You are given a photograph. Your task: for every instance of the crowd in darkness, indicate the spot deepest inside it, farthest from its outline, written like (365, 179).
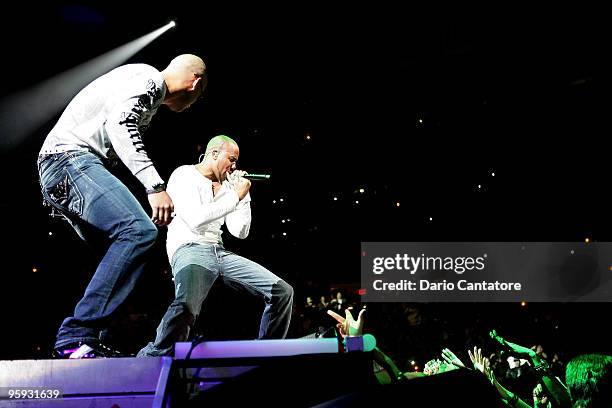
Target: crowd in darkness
(414, 333)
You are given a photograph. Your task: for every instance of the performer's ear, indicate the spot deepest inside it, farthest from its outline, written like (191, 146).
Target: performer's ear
(215, 154)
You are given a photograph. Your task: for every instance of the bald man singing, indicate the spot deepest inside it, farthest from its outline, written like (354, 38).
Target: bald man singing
(208, 195)
(105, 122)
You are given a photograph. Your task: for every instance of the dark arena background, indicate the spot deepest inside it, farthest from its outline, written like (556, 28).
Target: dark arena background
(450, 124)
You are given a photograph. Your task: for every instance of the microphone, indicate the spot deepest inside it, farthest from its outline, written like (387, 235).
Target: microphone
(251, 176)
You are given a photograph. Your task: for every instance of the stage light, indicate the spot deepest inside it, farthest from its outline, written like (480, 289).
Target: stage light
(22, 113)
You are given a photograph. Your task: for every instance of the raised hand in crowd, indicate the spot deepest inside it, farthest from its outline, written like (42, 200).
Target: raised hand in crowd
(348, 326)
(436, 366)
(554, 385)
(482, 365)
(452, 359)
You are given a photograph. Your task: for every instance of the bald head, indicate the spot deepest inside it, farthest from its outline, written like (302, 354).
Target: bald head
(186, 80)
(187, 63)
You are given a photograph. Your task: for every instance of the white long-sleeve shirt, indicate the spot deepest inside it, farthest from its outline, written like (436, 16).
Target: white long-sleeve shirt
(109, 116)
(199, 215)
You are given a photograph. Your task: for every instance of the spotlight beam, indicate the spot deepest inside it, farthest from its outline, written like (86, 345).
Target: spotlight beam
(24, 112)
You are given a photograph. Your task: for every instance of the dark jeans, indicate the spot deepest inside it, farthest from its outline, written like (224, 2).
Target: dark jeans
(196, 267)
(93, 200)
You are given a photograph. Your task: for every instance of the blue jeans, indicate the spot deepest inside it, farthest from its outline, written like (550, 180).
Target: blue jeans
(196, 267)
(78, 186)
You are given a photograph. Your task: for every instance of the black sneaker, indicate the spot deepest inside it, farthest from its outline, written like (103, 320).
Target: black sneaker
(89, 349)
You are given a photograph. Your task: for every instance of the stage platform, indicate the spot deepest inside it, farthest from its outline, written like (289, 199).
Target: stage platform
(126, 382)
(270, 373)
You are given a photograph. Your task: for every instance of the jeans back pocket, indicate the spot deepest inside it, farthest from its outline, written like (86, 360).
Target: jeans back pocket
(61, 191)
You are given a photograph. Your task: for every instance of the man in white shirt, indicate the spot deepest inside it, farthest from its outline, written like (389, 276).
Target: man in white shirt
(103, 122)
(205, 197)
